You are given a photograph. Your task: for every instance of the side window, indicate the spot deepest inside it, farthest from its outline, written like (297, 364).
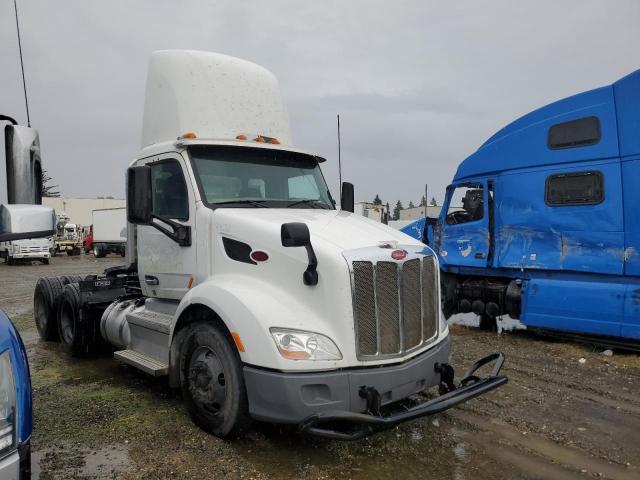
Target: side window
(303, 186)
(466, 205)
(581, 188)
(576, 133)
(169, 190)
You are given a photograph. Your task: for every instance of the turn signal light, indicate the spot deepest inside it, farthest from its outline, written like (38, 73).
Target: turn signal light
(190, 135)
(259, 139)
(241, 137)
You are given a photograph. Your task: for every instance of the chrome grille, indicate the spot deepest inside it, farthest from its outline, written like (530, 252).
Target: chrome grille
(387, 301)
(430, 304)
(411, 308)
(365, 308)
(395, 305)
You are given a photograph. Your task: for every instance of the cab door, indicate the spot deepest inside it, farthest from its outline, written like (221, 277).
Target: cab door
(166, 267)
(463, 237)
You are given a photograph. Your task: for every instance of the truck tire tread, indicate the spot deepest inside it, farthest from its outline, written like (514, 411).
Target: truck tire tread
(77, 329)
(235, 419)
(46, 298)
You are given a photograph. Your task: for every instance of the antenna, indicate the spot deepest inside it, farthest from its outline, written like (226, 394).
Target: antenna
(24, 84)
(339, 159)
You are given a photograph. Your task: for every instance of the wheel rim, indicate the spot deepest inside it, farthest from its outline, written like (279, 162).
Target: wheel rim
(207, 380)
(66, 324)
(41, 312)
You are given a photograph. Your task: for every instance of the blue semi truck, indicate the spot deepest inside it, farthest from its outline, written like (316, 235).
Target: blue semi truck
(542, 222)
(15, 404)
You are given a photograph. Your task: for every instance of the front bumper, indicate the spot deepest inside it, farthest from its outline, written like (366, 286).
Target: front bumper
(22, 256)
(279, 397)
(17, 465)
(351, 404)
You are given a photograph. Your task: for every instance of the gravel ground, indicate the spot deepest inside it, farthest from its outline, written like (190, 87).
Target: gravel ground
(567, 412)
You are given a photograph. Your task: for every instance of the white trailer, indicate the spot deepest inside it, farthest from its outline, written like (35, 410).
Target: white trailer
(245, 286)
(109, 231)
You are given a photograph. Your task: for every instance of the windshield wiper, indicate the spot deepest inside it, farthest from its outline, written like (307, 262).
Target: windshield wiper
(255, 203)
(308, 201)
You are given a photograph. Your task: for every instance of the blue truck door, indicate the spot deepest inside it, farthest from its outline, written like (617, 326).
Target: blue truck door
(464, 226)
(631, 195)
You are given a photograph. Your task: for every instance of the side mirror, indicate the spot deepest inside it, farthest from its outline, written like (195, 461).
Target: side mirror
(24, 167)
(297, 234)
(139, 195)
(346, 197)
(19, 222)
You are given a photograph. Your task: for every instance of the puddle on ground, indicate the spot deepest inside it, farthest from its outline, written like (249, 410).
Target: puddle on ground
(420, 451)
(70, 462)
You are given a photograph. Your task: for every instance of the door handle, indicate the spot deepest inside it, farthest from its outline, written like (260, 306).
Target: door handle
(480, 255)
(151, 280)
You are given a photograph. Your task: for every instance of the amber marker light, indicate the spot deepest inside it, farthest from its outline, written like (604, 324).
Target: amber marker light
(189, 135)
(241, 137)
(293, 354)
(238, 341)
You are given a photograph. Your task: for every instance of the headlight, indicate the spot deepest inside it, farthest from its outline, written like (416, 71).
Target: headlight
(7, 403)
(300, 345)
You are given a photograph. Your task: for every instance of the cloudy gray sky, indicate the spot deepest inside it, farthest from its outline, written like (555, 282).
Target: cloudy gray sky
(419, 85)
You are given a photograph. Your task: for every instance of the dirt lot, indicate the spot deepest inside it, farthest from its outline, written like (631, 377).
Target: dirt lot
(559, 417)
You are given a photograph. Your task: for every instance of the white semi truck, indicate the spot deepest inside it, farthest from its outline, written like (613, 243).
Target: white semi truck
(245, 286)
(109, 231)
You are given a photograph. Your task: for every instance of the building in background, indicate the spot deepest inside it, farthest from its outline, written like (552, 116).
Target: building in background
(378, 213)
(416, 213)
(79, 209)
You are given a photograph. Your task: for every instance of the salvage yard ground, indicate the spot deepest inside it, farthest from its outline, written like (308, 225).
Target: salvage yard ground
(557, 417)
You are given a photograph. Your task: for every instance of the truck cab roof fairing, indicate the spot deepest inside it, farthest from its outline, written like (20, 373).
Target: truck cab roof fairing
(213, 95)
(523, 143)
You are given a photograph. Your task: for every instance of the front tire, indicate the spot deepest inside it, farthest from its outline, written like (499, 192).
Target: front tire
(212, 381)
(98, 251)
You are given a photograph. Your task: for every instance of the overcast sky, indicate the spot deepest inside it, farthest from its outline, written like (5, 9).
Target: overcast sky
(418, 85)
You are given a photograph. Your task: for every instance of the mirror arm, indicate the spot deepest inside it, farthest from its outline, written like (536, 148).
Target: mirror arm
(181, 234)
(310, 275)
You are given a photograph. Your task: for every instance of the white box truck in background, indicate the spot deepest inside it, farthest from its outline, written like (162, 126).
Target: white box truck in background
(109, 231)
(245, 286)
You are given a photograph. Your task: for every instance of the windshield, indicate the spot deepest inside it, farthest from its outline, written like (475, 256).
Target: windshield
(254, 177)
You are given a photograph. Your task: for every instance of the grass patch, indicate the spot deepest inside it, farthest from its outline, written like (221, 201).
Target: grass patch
(24, 322)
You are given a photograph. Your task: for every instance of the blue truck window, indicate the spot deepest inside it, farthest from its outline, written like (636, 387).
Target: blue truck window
(580, 188)
(576, 133)
(466, 205)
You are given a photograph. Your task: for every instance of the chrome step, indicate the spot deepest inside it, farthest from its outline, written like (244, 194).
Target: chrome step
(156, 321)
(143, 362)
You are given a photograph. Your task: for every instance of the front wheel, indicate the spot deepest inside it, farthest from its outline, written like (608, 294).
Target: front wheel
(212, 381)
(98, 251)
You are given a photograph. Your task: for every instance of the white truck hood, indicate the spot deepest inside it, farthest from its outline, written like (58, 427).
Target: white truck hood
(344, 230)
